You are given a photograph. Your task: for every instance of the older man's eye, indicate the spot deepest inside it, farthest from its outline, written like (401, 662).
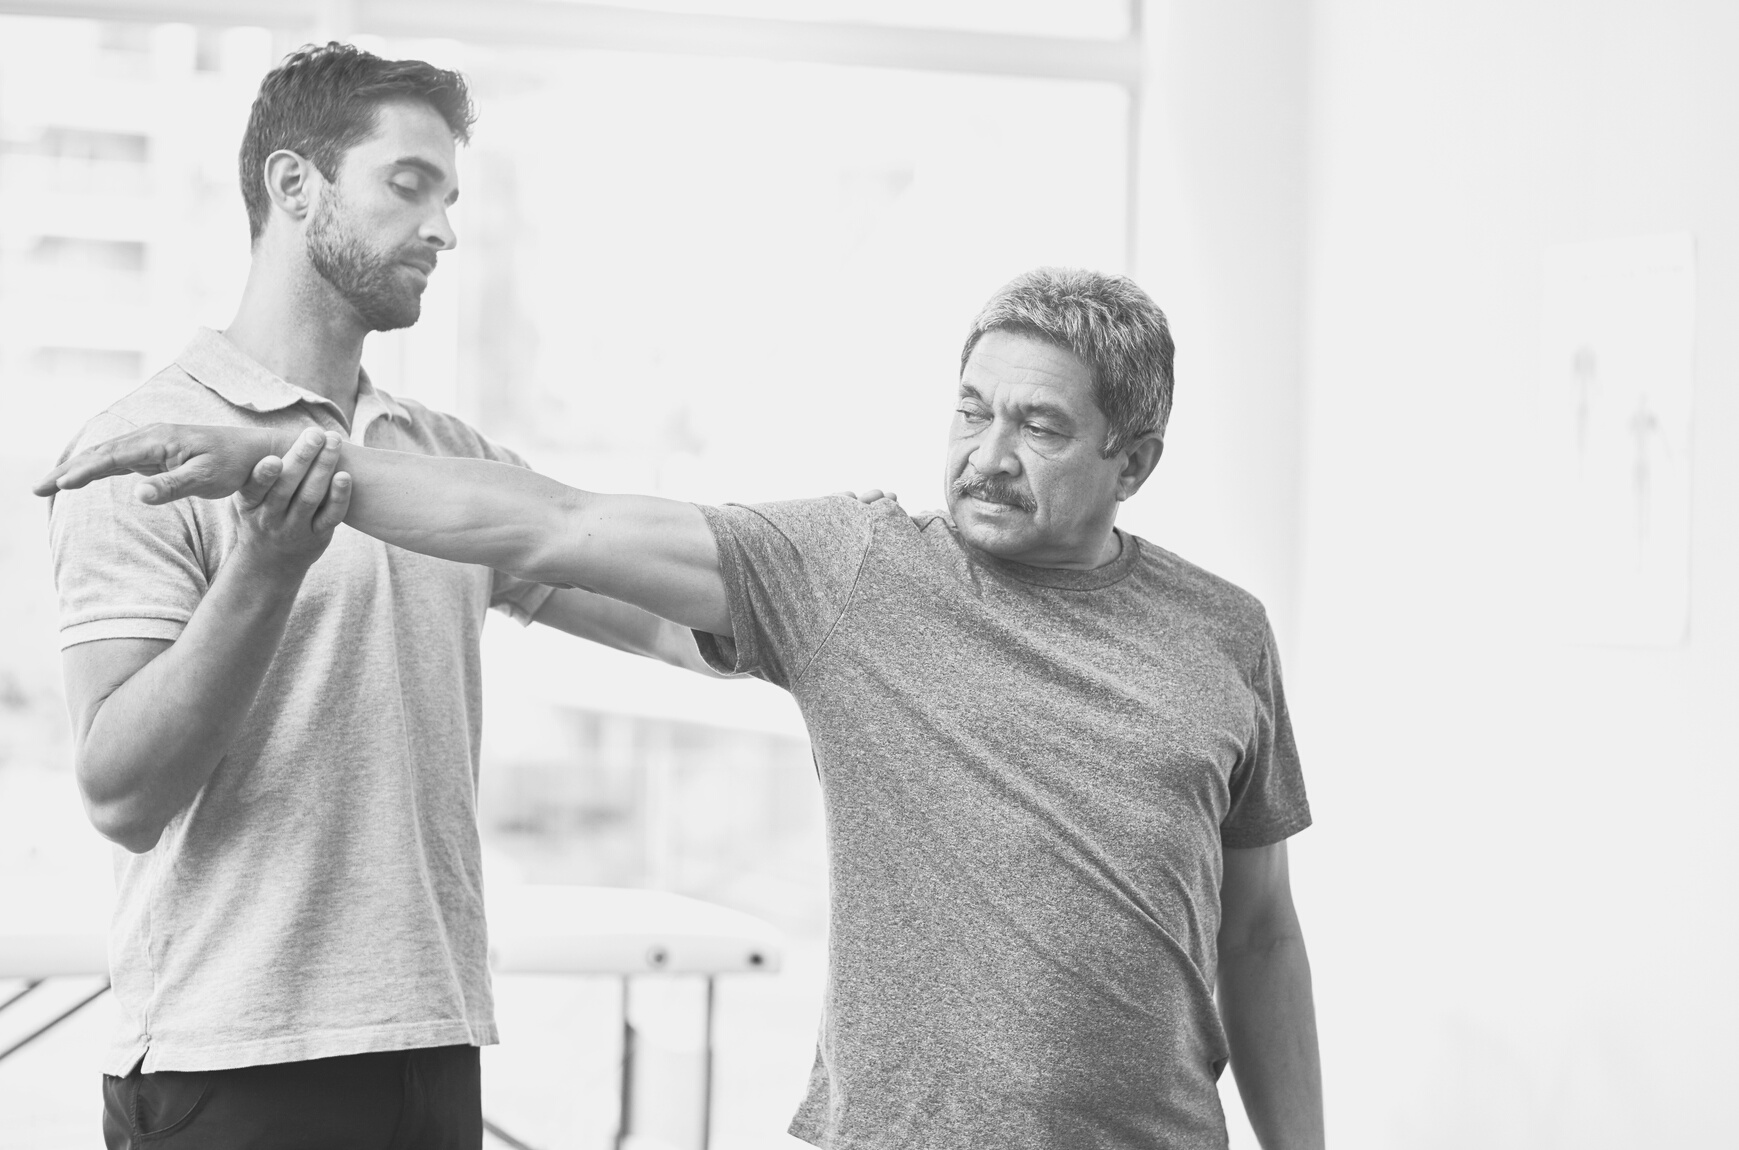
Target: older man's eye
(972, 414)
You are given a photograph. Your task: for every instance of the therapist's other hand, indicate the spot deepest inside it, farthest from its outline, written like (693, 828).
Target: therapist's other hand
(289, 507)
(870, 496)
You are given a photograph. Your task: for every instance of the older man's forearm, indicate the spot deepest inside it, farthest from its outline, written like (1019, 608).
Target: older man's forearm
(466, 510)
(1270, 1020)
(657, 554)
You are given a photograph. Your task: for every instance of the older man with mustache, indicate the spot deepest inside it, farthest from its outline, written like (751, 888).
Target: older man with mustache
(1056, 758)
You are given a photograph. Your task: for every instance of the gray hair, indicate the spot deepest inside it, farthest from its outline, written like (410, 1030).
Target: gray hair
(1107, 323)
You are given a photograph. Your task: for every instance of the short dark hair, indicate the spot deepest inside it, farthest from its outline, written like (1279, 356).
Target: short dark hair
(1110, 325)
(324, 99)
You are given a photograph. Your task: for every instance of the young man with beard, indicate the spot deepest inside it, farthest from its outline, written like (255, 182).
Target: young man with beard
(1056, 758)
(278, 719)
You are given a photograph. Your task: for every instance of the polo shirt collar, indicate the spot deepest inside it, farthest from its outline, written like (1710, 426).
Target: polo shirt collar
(224, 368)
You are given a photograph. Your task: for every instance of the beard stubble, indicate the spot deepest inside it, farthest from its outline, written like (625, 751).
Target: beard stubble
(367, 280)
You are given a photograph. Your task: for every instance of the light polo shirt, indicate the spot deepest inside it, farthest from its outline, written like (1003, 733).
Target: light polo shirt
(322, 894)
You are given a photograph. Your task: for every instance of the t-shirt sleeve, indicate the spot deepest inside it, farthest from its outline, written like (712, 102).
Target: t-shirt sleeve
(789, 570)
(122, 569)
(514, 596)
(1268, 802)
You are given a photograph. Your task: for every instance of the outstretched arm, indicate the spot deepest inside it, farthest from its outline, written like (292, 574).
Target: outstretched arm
(657, 554)
(1265, 1001)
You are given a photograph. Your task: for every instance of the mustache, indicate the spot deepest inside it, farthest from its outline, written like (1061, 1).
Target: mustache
(992, 490)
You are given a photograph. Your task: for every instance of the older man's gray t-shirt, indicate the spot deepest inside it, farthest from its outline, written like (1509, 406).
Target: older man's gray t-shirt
(1029, 777)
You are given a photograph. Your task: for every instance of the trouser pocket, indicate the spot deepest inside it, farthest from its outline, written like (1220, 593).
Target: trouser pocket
(142, 1108)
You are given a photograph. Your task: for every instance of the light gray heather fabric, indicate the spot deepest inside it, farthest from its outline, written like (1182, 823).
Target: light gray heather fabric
(322, 895)
(1029, 776)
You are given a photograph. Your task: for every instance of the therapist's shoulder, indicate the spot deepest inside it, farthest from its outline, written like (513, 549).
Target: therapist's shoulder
(418, 427)
(169, 396)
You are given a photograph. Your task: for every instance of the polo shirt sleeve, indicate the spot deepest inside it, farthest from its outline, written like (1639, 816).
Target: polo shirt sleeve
(508, 593)
(123, 569)
(789, 570)
(1268, 802)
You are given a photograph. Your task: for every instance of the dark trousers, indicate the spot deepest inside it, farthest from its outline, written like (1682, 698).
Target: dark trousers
(400, 1100)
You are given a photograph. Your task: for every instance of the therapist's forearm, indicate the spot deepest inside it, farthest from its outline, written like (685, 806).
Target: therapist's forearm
(1270, 1019)
(147, 748)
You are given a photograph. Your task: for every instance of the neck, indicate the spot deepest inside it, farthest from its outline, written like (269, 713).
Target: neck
(294, 324)
(1088, 558)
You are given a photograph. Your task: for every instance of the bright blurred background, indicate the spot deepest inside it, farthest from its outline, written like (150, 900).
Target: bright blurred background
(727, 250)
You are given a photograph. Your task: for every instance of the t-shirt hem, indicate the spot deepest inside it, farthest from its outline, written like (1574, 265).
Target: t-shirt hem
(298, 1047)
(122, 627)
(1265, 837)
(804, 1132)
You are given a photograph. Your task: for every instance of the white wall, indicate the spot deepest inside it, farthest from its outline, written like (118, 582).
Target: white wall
(1221, 249)
(1520, 890)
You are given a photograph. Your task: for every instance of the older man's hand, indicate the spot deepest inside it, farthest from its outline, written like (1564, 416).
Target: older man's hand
(180, 460)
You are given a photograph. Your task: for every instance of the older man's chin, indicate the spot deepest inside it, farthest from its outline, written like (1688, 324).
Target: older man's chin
(995, 529)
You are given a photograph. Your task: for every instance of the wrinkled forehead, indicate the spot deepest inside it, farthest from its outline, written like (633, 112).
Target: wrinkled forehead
(1018, 368)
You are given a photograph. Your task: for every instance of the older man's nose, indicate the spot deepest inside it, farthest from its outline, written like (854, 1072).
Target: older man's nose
(994, 453)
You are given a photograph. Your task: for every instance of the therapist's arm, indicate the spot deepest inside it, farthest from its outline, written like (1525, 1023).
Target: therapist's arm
(657, 554)
(153, 718)
(625, 627)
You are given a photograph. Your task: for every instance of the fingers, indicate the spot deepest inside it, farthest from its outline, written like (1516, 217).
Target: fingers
(318, 482)
(337, 505)
(85, 467)
(260, 481)
(142, 451)
(297, 460)
(171, 485)
(50, 483)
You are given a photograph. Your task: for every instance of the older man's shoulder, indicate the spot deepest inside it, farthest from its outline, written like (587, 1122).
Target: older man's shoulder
(1189, 585)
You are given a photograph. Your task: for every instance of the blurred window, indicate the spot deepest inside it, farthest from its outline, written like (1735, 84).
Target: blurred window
(87, 363)
(75, 254)
(1100, 19)
(704, 277)
(85, 144)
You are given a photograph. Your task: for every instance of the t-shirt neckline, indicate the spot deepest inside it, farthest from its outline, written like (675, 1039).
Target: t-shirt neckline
(1065, 578)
